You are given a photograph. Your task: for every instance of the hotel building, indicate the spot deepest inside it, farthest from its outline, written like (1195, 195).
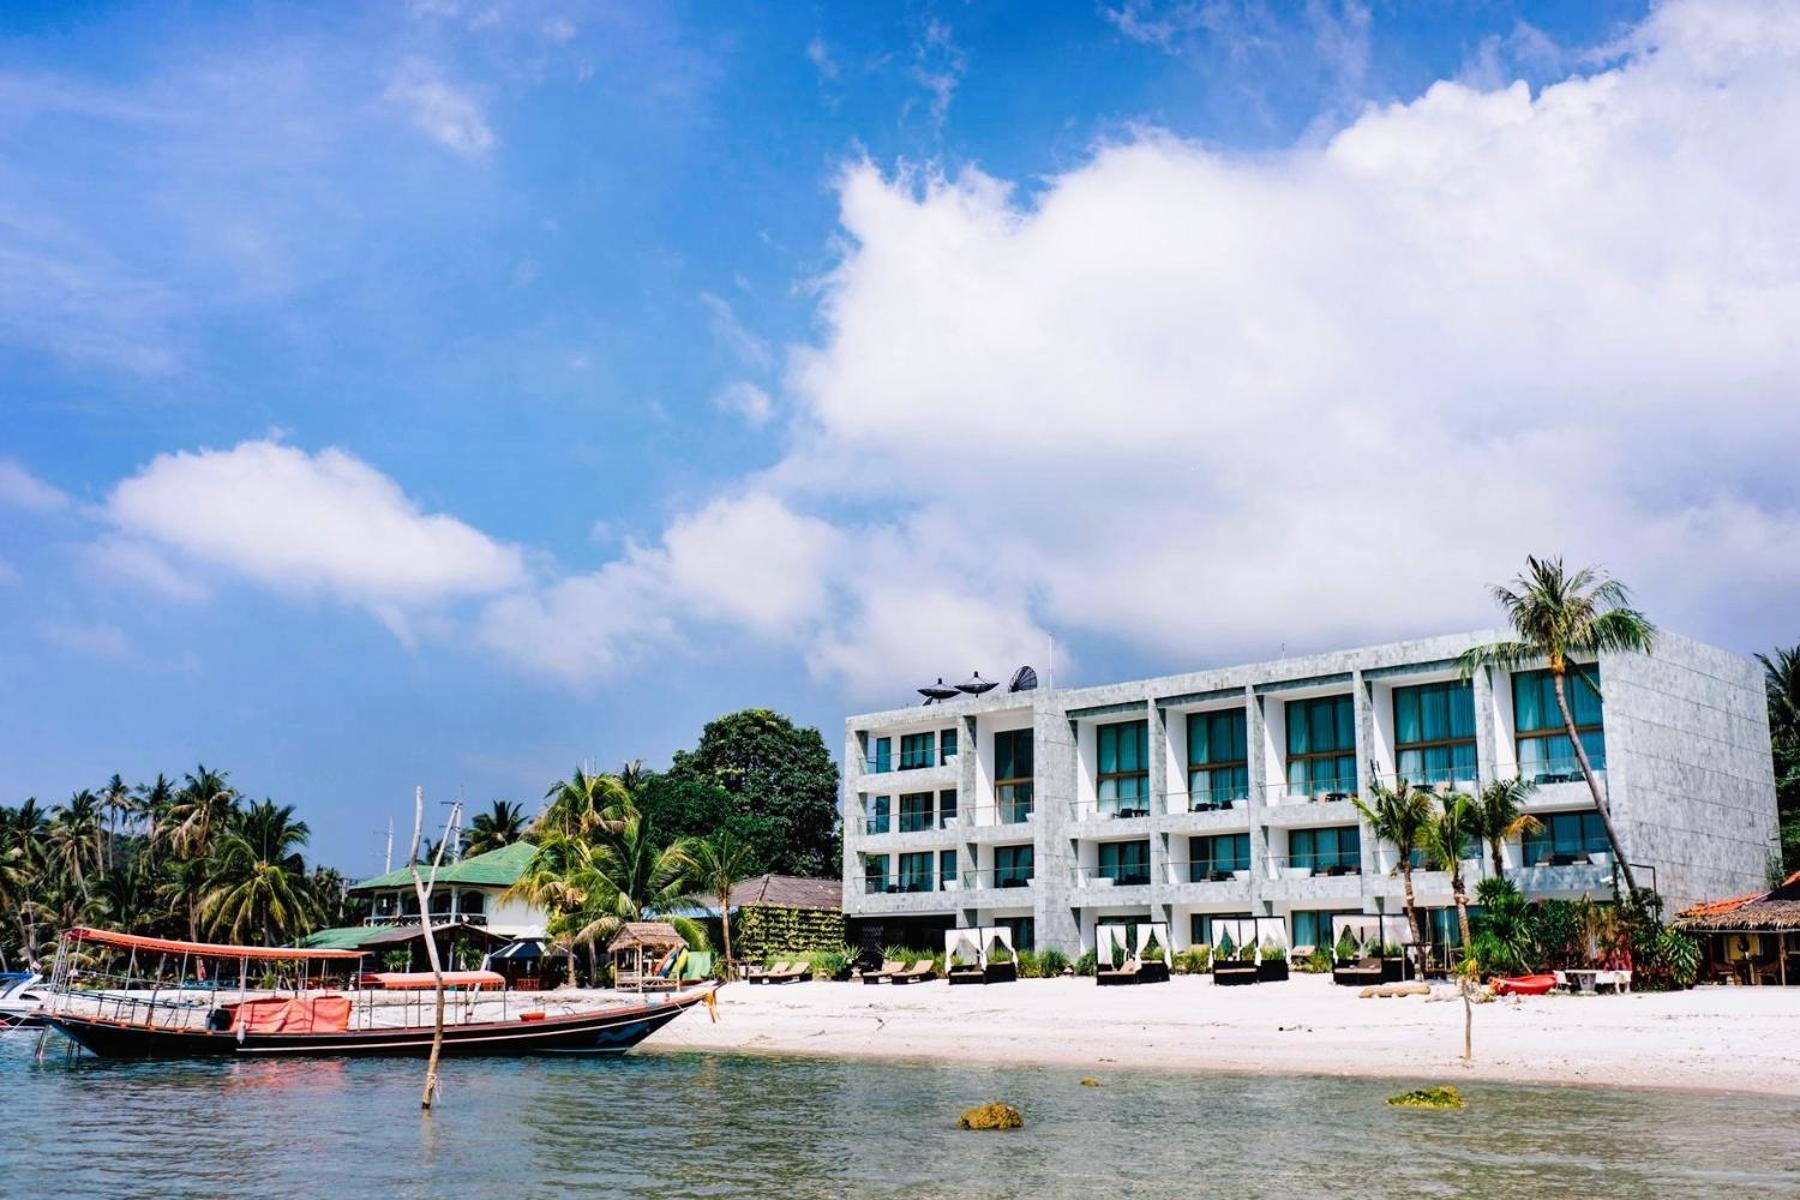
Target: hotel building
(1212, 799)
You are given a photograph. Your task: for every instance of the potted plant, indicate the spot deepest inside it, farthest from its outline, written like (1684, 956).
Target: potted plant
(1272, 963)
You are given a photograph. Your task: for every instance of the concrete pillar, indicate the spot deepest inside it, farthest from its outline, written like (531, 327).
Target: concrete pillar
(1256, 734)
(1054, 787)
(1485, 723)
(1158, 749)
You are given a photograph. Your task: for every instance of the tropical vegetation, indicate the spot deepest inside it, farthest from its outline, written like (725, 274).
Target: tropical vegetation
(1781, 678)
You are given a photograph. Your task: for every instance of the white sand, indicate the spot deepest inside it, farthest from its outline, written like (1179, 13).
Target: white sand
(1739, 1039)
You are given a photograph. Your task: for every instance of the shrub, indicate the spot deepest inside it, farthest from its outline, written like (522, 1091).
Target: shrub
(1318, 962)
(1227, 947)
(1053, 962)
(1271, 952)
(1346, 944)
(1195, 960)
(1001, 955)
(1088, 963)
(831, 963)
(1029, 967)
(1153, 951)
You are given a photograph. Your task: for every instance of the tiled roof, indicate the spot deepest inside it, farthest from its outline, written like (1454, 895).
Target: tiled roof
(788, 891)
(496, 868)
(1775, 909)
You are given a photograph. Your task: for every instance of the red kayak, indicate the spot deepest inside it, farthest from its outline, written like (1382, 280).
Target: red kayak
(1525, 985)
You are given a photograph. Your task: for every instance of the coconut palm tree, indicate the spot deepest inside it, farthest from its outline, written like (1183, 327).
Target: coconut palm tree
(1448, 837)
(115, 802)
(501, 826)
(719, 862)
(1400, 815)
(1557, 616)
(1499, 813)
(630, 875)
(202, 811)
(583, 803)
(154, 801)
(1781, 676)
(258, 884)
(76, 832)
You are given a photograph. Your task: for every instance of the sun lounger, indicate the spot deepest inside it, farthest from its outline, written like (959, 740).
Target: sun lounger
(1125, 972)
(796, 973)
(919, 972)
(889, 969)
(763, 976)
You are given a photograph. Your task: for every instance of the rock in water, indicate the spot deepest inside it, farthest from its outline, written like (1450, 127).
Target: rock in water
(1090, 1083)
(991, 1116)
(1432, 1097)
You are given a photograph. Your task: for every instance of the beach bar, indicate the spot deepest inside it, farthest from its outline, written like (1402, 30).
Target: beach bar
(1753, 939)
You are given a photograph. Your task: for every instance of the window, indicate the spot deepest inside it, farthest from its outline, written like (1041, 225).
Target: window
(1321, 747)
(471, 904)
(1023, 930)
(1123, 783)
(1013, 775)
(409, 904)
(875, 869)
(1332, 851)
(947, 808)
(1314, 929)
(877, 816)
(1216, 857)
(915, 872)
(1434, 734)
(1442, 928)
(946, 868)
(915, 812)
(881, 761)
(917, 750)
(946, 745)
(1218, 759)
(1012, 866)
(1545, 752)
(1205, 929)
(1566, 837)
(1125, 863)
(387, 904)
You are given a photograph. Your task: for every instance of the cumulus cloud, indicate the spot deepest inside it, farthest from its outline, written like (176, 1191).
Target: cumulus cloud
(446, 113)
(19, 488)
(307, 524)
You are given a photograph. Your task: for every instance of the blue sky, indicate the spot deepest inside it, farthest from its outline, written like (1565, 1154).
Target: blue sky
(452, 393)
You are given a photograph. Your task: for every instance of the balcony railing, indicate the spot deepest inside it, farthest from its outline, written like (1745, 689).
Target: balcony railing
(999, 877)
(1307, 866)
(1205, 871)
(1111, 810)
(389, 919)
(1121, 876)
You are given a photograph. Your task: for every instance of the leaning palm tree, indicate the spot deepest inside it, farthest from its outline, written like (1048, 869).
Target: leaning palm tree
(1499, 813)
(503, 825)
(1447, 838)
(719, 862)
(548, 881)
(631, 875)
(75, 835)
(259, 884)
(1556, 616)
(1399, 815)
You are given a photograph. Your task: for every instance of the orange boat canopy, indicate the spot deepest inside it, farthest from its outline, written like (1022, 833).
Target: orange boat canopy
(317, 1014)
(413, 981)
(131, 941)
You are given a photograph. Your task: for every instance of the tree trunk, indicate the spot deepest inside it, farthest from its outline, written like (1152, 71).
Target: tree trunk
(1499, 865)
(1468, 1023)
(725, 926)
(1462, 907)
(1587, 773)
(1412, 914)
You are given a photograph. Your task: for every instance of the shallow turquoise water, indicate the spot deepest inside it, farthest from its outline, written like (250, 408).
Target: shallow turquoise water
(708, 1125)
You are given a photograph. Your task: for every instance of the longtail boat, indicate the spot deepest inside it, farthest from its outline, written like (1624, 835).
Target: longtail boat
(123, 996)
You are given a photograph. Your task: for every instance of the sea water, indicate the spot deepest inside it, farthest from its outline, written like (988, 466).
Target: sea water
(686, 1124)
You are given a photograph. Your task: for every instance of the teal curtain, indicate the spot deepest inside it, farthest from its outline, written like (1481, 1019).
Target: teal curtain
(946, 744)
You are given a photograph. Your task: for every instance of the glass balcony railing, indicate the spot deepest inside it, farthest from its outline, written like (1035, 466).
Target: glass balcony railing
(1123, 875)
(1206, 871)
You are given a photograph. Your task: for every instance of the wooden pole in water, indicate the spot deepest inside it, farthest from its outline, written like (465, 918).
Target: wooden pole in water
(423, 888)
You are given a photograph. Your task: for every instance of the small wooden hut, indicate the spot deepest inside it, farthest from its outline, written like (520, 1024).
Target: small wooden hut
(640, 951)
(1752, 939)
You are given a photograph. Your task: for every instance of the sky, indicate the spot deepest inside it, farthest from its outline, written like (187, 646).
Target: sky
(453, 393)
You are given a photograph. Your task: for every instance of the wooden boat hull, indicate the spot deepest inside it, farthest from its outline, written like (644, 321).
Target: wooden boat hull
(1525, 985)
(610, 1031)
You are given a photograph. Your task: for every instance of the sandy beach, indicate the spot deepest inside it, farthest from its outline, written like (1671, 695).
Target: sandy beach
(1736, 1039)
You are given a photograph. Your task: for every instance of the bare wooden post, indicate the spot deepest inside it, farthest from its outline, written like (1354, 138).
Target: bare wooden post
(423, 888)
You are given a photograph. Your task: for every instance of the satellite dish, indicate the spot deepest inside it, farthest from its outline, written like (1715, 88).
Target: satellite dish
(1024, 680)
(937, 691)
(976, 686)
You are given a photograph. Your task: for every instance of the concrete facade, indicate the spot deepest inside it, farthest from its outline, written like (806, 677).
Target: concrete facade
(1687, 775)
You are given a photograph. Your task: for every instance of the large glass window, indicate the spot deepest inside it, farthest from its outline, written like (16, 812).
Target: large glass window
(882, 761)
(1566, 837)
(1218, 856)
(946, 745)
(1321, 747)
(1218, 759)
(947, 808)
(1123, 783)
(1335, 850)
(1434, 734)
(915, 812)
(1545, 753)
(876, 820)
(946, 867)
(1012, 866)
(918, 750)
(875, 870)
(1314, 928)
(1125, 863)
(1205, 929)
(915, 872)
(1013, 775)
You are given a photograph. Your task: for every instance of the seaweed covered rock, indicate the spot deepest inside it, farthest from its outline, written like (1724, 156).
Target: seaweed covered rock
(1090, 1083)
(991, 1116)
(1431, 1097)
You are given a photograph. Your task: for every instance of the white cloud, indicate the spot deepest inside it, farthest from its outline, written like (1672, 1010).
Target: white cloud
(304, 524)
(449, 115)
(97, 641)
(130, 562)
(730, 333)
(819, 54)
(746, 400)
(19, 488)
(938, 66)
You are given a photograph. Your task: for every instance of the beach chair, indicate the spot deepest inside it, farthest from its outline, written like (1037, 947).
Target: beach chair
(889, 969)
(967, 973)
(1126, 972)
(764, 976)
(919, 972)
(797, 972)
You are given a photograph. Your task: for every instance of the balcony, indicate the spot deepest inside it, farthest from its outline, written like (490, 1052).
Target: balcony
(1206, 882)
(1136, 808)
(446, 918)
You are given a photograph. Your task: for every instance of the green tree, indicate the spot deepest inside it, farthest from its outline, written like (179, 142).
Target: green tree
(76, 833)
(1781, 677)
(719, 863)
(687, 806)
(1557, 616)
(500, 826)
(258, 881)
(581, 804)
(1400, 815)
(1499, 813)
(782, 778)
(1447, 838)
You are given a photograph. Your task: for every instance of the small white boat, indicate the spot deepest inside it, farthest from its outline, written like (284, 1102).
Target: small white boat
(21, 1002)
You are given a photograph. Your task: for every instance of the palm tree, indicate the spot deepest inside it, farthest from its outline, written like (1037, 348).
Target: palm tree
(259, 882)
(583, 803)
(153, 804)
(1499, 813)
(503, 825)
(1781, 676)
(115, 801)
(629, 876)
(631, 775)
(1400, 815)
(719, 862)
(1448, 836)
(202, 810)
(76, 832)
(1558, 616)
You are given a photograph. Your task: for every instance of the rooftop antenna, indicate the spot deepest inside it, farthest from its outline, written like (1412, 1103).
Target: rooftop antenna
(387, 858)
(1050, 665)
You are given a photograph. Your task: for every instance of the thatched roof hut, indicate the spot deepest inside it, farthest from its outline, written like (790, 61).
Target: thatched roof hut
(1750, 939)
(645, 955)
(1774, 911)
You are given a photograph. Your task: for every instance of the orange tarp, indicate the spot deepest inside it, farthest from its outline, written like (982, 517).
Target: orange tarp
(315, 1014)
(132, 941)
(412, 981)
